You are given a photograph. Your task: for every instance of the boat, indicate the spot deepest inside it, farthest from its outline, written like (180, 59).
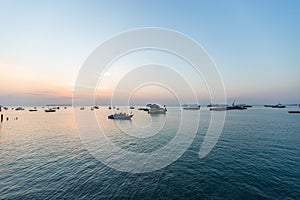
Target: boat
(32, 110)
(131, 107)
(216, 105)
(191, 107)
(156, 109)
(232, 107)
(50, 110)
(268, 106)
(82, 108)
(144, 109)
(278, 106)
(96, 107)
(121, 116)
(19, 108)
(218, 108)
(294, 111)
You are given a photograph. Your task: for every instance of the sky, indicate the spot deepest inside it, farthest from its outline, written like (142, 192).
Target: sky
(254, 44)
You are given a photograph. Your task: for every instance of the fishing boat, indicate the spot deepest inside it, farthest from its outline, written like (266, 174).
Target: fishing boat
(50, 110)
(121, 116)
(191, 107)
(156, 109)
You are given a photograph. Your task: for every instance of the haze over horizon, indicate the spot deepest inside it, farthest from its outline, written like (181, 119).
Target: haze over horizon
(254, 44)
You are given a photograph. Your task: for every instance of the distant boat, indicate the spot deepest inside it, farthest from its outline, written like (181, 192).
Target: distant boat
(121, 116)
(131, 107)
(216, 105)
(156, 109)
(278, 106)
(144, 109)
(191, 107)
(82, 108)
(268, 106)
(50, 110)
(294, 111)
(232, 107)
(32, 110)
(96, 107)
(19, 108)
(218, 108)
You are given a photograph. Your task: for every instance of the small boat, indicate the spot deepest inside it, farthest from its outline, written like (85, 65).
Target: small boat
(232, 107)
(121, 116)
(268, 106)
(278, 106)
(294, 111)
(218, 108)
(144, 109)
(19, 108)
(82, 108)
(96, 107)
(131, 107)
(50, 110)
(33, 110)
(191, 107)
(216, 105)
(156, 109)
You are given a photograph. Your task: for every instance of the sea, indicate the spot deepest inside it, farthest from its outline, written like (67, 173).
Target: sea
(257, 156)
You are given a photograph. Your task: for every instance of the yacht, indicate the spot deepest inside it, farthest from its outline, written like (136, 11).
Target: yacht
(156, 109)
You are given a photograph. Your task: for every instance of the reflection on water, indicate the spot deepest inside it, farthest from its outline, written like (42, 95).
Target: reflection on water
(257, 156)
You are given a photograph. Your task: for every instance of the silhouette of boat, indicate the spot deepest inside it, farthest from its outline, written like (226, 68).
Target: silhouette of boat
(32, 110)
(121, 116)
(144, 109)
(294, 111)
(50, 110)
(278, 106)
(19, 108)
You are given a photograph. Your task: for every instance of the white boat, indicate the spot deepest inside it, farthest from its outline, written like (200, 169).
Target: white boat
(191, 107)
(156, 109)
(122, 116)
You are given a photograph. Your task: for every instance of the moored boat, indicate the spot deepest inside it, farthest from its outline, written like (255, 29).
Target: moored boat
(50, 110)
(191, 107)
(294, 111)
(121, 116)
(156, 109)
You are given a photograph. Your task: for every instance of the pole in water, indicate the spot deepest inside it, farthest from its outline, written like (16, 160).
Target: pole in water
(1, 117)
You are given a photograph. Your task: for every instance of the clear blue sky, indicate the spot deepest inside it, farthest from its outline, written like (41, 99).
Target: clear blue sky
(255, 44)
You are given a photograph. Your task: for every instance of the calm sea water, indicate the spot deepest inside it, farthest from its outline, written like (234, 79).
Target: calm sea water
(257, 157)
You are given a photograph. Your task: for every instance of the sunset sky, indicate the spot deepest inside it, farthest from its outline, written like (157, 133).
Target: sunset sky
(43, 44)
